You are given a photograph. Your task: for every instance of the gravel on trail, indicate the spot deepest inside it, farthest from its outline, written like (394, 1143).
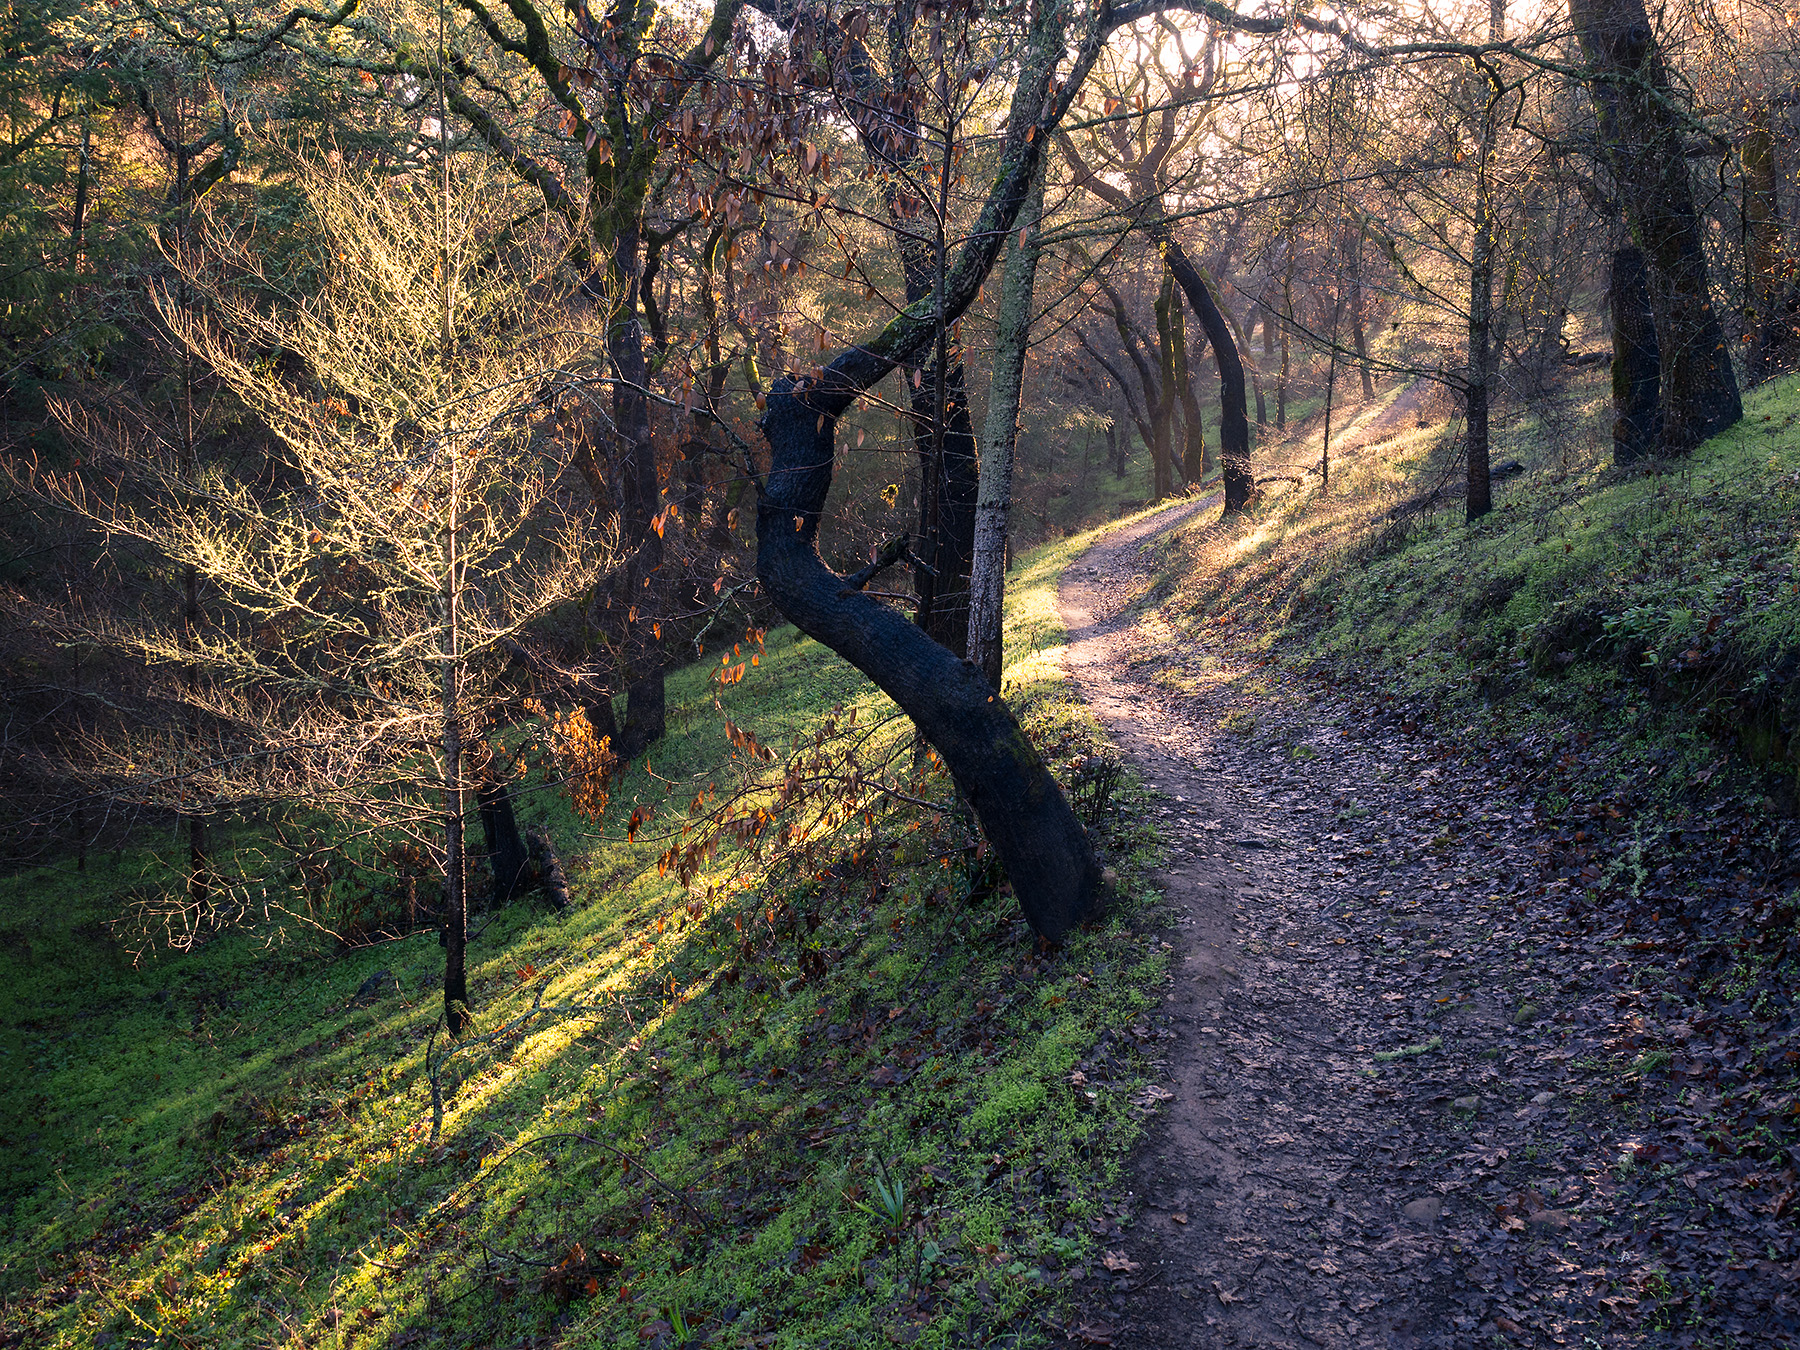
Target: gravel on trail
(1384, 1039)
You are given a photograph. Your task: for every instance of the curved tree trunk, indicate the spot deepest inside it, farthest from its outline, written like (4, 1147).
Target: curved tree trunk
(1021, 809)
(1234, 417)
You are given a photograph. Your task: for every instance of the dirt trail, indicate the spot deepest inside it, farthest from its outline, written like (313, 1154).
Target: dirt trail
(1283, 1201)
(1382, 1132)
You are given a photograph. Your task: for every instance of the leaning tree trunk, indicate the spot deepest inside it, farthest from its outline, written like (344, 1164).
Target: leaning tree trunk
(1637, 410)
(987, 574)
(1021, 809)
(1234, 416)
(1642, 141)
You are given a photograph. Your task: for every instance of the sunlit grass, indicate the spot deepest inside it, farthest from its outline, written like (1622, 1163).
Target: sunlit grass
(1654, 606)
(216, 1149)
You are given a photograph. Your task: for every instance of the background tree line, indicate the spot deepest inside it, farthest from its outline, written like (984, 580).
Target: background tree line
(393, 393)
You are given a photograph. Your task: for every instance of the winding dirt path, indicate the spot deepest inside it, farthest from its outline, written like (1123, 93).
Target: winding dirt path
(1368, 1142)
(1280, 1204)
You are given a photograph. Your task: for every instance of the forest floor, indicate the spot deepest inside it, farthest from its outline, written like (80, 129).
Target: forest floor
(1422, 1095)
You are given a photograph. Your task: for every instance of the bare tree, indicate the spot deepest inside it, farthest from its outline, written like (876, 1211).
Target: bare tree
(372, 579)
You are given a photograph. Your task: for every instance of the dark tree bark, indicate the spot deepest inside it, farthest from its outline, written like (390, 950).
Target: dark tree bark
(640, 499)
(1643, 143)
(1637, 410)
(1478, 381)
(949, 486)
(1021, 809)
(1163, 420)
(1234, 418)
(1770, 321)
(507, 856)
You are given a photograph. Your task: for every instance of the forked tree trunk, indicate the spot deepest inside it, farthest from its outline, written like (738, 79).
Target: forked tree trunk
(1643, 139)
(1234, 418)
(1195, 465)
(993, 507)
(1021, 809)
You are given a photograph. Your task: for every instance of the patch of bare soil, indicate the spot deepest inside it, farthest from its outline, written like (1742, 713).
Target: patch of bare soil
(1399, 1116)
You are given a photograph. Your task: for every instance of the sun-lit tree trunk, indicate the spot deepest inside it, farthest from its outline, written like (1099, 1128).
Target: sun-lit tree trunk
(1197, 462)
(993, 506)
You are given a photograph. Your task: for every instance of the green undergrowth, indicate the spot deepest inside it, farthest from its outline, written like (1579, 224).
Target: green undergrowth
(1654, 610)
(819, 1097)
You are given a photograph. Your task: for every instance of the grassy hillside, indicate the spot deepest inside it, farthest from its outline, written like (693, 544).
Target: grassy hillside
(818, 1097)
(1653, 613)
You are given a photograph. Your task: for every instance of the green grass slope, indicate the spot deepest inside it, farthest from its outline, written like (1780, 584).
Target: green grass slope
(820, 1096)
(1652, 613)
